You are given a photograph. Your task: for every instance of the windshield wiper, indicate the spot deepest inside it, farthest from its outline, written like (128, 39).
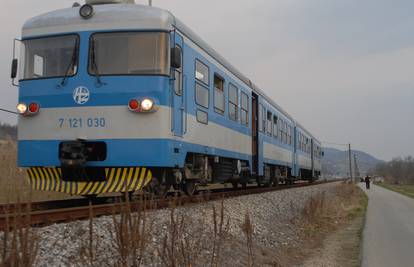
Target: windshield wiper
(73, 63)
(94, 64)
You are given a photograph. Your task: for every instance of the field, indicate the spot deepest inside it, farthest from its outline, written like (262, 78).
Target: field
(407, 190)
(13, 184)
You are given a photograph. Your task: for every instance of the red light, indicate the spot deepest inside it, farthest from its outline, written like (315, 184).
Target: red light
(133, 104)
(33, 108)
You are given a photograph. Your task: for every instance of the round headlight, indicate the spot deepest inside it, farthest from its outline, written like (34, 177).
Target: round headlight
(86, 11)
(21, 108)
(147, 104)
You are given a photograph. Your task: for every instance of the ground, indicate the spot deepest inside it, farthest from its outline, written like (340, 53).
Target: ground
(292, 227)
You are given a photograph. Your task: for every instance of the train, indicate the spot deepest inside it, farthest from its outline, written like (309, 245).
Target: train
(120, 97)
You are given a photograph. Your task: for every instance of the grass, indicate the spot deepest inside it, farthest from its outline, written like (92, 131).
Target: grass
(338, 219)
(407, 190)
(13, 183)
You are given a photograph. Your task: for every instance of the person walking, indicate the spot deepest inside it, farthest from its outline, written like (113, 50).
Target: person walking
(367, 181)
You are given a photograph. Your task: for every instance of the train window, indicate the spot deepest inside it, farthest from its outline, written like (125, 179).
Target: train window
(281, 130)
(275, 126)
(202, 72)
(233, 102)
(219, 94)
(263, 118)
(129, 53)
(50, 57)
(260, 117)
(285, 130)
(289, 139)
(202, 116)
(201, 95)
(178, 75)
(244, 116)
(269, 123)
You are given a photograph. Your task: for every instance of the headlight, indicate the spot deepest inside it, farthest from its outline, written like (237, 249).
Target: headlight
(147, 104)
(86, 11)
(21, 108)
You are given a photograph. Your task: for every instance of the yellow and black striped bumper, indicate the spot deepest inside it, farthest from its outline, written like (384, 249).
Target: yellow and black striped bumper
(118, 180)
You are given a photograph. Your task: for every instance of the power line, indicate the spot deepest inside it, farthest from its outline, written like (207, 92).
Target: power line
(9, 111)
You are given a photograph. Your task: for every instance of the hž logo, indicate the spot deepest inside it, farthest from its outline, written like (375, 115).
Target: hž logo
(81, 95)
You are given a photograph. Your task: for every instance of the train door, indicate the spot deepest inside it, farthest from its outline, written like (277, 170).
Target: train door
(178, 92)
(255, 134)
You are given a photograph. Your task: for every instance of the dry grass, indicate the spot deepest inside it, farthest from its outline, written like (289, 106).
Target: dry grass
(19, 243)
(248, 230)
(323, 212)
(13, 182)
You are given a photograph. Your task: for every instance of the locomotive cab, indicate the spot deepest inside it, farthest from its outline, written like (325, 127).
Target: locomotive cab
(95, 87)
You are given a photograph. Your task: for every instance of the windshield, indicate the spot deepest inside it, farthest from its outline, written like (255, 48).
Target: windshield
(129, 53)
(49, 57)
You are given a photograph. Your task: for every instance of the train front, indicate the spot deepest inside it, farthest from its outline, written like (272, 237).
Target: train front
(94, 92)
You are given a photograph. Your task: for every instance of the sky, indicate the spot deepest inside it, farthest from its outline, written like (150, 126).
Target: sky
(342, 68)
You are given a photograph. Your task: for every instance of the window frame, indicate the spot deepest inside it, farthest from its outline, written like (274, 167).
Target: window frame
(78, 43)
(269, 129)
(216, 109)
(247, 110)
(180, 71)
(195, 71)
(195, 94)
(235, 104)
(275, 124)
(204, 112)
(129, 31)
(260, 122)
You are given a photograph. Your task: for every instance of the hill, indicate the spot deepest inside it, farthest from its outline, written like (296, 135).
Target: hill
(335, 162)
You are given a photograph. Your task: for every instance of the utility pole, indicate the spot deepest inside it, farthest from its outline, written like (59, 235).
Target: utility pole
(150, 2)
(356, 169)
(350, 162)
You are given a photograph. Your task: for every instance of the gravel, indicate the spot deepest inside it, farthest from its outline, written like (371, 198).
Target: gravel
(274, 217)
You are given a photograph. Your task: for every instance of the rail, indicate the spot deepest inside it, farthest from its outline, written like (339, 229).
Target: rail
(39, 214)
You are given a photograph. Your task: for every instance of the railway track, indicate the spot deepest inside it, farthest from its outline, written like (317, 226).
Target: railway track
(40, 214)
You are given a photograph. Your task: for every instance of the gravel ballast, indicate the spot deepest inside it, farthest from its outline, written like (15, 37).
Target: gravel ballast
(273, 215)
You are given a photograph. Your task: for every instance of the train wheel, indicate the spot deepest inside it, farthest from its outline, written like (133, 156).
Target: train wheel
(190, 187)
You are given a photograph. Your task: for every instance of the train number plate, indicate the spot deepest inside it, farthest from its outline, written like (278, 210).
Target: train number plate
(96, 122)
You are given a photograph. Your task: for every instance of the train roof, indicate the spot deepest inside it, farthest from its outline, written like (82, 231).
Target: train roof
(130, 16)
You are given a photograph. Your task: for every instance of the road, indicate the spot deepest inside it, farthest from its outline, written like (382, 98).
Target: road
(389, 229)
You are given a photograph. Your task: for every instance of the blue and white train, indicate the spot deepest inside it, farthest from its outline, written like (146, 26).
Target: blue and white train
(116, 97)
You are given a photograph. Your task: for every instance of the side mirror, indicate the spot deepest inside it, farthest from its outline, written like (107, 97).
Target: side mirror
(176, 57)
(14, 68)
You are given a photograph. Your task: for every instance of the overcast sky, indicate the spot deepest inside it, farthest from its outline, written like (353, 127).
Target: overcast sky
(343, 68)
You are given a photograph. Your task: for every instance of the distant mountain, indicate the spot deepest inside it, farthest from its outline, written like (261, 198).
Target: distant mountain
(8, 131)
(335, 162)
